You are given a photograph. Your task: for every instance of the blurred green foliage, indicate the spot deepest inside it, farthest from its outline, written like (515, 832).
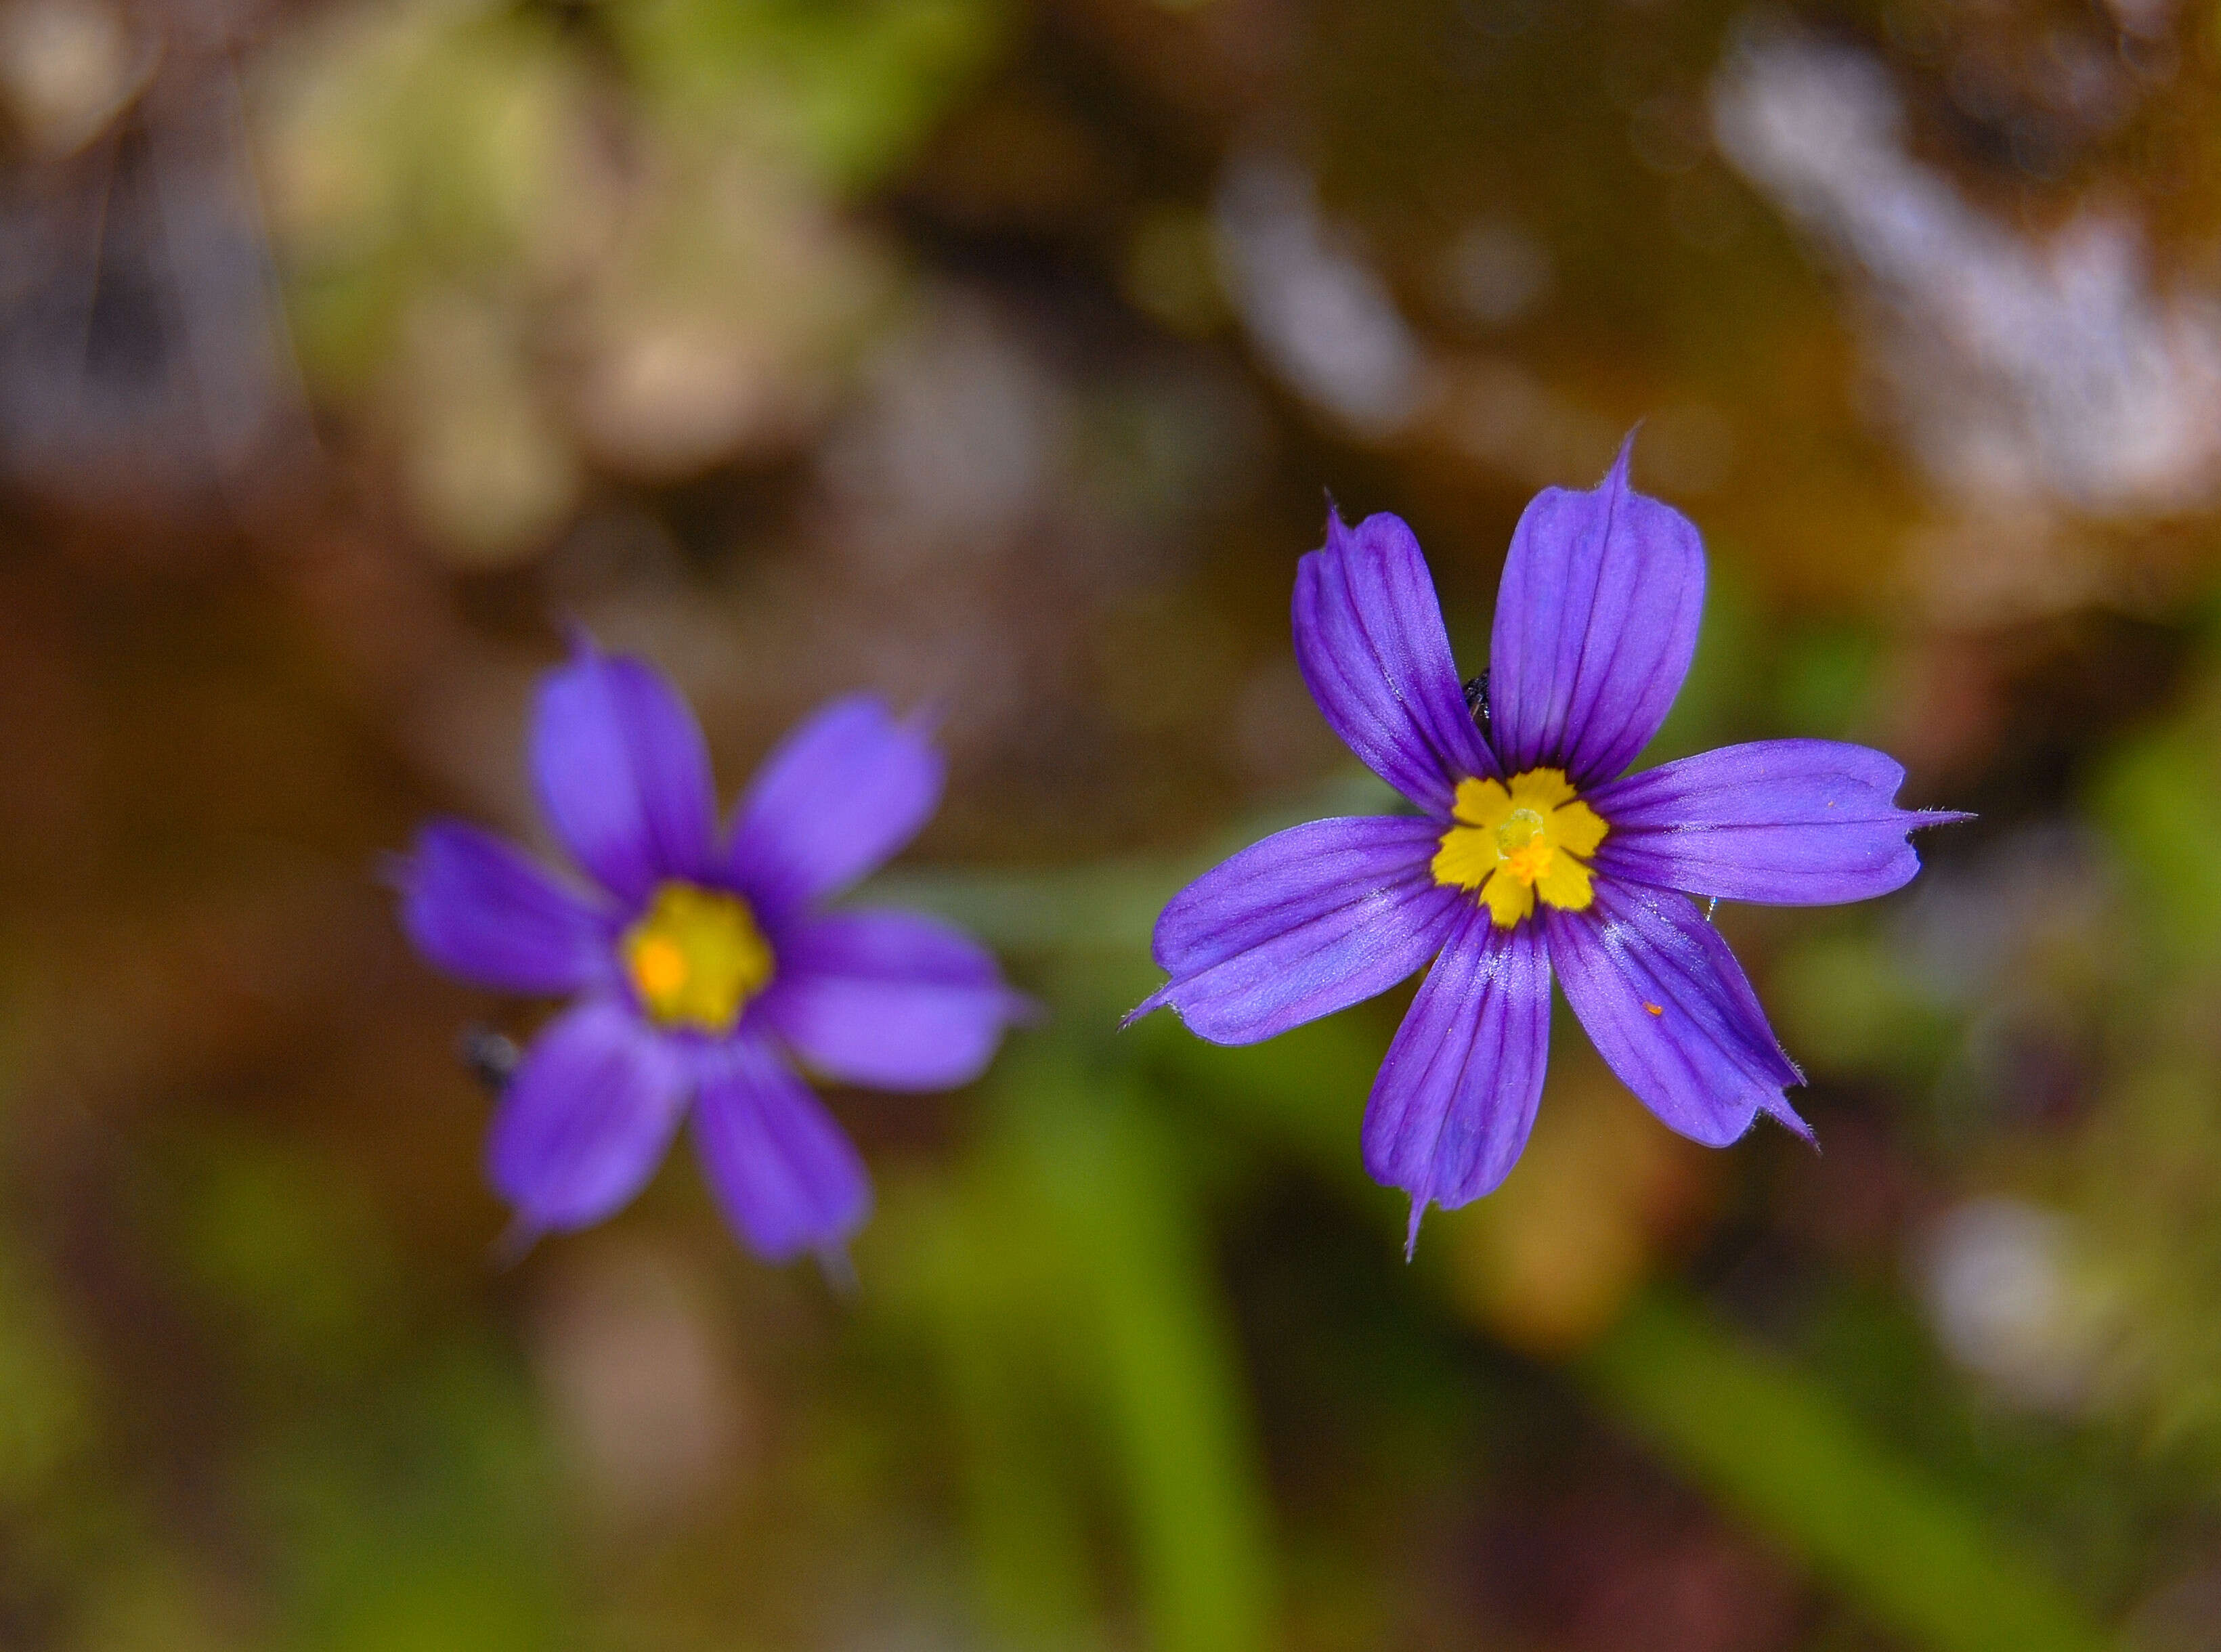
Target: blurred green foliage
(924, 345)
(852, 88)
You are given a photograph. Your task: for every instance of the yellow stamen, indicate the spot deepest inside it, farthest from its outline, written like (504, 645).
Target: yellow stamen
(1513, 842)
(696, 958)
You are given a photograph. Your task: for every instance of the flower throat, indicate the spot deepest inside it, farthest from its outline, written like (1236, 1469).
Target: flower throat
(696, 957)
(1515, 842)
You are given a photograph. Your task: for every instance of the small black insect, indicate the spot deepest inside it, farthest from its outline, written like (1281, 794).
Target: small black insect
(491, 1056)
(1476, 698)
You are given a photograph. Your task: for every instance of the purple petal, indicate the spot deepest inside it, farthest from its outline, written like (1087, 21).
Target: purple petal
(623, 773)
(1456, 1094)
(1370, 641)
(844, 791)
(1671, 1012)
(586, 1119)
(890, 999)
(1308, 922)
(1794, 822)
(1596, 620)
(783, 1173)
(485, 912)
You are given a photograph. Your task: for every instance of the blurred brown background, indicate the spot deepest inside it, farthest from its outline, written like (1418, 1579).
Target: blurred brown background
(995, 355)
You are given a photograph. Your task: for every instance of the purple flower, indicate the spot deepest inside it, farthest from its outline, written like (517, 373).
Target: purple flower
(1529, 851)
(701, 967)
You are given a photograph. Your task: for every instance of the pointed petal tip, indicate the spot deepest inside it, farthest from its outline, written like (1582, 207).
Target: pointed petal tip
(838, 1269)
(1338, 531)
(1585, 682)
(923, 723)
(922, 720)
(392, 870)
(1923, 818)
(516, 1242)
(1156, 1000)
(578, 639)
(1789, 1117)
(1411, 1233)
(824, 1241)
(1623, 460)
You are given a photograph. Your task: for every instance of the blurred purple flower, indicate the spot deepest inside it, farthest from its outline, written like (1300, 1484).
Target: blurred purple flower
(702, 966)
(1527, 852)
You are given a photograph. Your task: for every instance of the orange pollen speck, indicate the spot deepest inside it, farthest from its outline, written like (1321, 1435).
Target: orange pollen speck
(1531, 863)
(659, 968)
(1655, 1009)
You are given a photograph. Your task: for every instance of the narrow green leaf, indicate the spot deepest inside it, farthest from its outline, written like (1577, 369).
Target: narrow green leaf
(1774, 1445)
(1170, 1378)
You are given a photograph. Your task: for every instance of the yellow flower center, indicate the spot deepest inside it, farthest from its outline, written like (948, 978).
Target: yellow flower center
(696, 957)
(1513, 842)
